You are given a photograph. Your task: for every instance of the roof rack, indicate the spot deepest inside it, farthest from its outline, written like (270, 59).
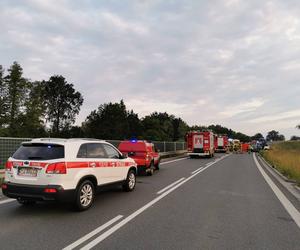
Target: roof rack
(86, 139)
(49, 139)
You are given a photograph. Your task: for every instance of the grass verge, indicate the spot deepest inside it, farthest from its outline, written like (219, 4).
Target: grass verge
(285, 157)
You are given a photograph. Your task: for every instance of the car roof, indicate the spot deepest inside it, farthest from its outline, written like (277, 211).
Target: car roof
(63, 141)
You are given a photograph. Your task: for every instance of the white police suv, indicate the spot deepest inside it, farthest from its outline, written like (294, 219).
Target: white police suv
(68, 170)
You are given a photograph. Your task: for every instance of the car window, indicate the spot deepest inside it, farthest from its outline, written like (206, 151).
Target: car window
(82, 152)
(111, 152)
(39, 151)
(91, 150)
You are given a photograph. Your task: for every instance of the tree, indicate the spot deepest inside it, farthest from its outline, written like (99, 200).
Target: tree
(108, 122)
(274, 136)
(16, 86)
(62, 104)
(3, 99)
(134, 125)
(32, 121)
(158, 127)
(180, 128)
(257, 136)
(295, 138)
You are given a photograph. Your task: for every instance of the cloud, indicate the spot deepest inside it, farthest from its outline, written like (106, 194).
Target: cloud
(289, 115)
(230, 62)
(239, 108)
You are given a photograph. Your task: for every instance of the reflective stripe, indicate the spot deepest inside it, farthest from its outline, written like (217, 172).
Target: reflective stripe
(84, 164)
(75, 164)
(98, 164)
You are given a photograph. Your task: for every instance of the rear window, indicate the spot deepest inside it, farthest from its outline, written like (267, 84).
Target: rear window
(39, 152)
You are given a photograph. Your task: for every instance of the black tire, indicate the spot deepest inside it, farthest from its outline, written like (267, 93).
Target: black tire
(85, 195)
(25, 202)
(150, 170)
(157, 165)
(130, 181)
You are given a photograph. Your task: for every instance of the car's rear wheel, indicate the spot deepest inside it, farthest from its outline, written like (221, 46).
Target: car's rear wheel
(150, 170)
(25, 202)
(85, 195)
(130, 181)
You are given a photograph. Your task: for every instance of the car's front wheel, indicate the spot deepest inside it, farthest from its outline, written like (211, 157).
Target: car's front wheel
(85, 195)
(130, 181)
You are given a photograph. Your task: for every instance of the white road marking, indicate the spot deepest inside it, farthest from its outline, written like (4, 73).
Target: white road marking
(137, 212)
(294, 213)
(166, 162)
(94, 232)
(196, 170)
(6, 201)
(171, 185)
(209, 163)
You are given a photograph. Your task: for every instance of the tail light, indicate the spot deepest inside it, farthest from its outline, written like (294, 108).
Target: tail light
(50, 190)
(4, 186)
(8, 166)
(57, 168)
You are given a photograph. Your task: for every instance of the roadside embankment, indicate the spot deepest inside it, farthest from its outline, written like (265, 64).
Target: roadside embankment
(285, 157)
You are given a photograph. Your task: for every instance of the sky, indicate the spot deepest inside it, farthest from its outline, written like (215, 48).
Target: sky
(229, 62)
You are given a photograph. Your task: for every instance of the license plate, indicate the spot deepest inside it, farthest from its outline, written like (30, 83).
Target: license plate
(30, 172)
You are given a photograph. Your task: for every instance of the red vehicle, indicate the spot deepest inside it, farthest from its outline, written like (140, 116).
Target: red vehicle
(245, 147)
(221, 143)
(144, 153)
(200, 143)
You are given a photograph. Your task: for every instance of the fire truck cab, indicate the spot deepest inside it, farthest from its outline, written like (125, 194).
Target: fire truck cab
(200, 143)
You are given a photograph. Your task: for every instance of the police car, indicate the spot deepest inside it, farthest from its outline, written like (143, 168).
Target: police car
(68, 170)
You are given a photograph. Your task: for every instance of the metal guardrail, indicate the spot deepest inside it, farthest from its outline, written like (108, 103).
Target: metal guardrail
(8, 145)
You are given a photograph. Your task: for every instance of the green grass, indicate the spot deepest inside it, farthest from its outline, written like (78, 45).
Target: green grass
(285, 157)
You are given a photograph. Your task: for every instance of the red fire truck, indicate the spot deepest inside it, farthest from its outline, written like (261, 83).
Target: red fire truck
(200, 143)
(221, 143)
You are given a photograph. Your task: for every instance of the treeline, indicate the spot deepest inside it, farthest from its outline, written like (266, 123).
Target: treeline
(49, 108)
(36, 108)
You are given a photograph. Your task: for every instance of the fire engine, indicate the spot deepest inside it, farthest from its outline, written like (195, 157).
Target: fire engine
(200, 143)
(221, 143)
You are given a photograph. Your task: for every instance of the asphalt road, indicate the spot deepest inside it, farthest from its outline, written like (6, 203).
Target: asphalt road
(226, 204)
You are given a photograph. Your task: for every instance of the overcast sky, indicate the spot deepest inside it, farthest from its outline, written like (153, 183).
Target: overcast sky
(230, 62)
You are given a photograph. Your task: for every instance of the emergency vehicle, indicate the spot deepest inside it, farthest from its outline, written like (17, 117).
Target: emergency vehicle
(221, 143)
(144, 153)
(200, 143)
(67, 170)
(237, 146)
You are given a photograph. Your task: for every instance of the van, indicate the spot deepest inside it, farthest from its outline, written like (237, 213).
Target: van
(144, 153)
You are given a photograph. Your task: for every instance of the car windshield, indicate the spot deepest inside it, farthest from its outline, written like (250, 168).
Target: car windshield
(39, 152)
